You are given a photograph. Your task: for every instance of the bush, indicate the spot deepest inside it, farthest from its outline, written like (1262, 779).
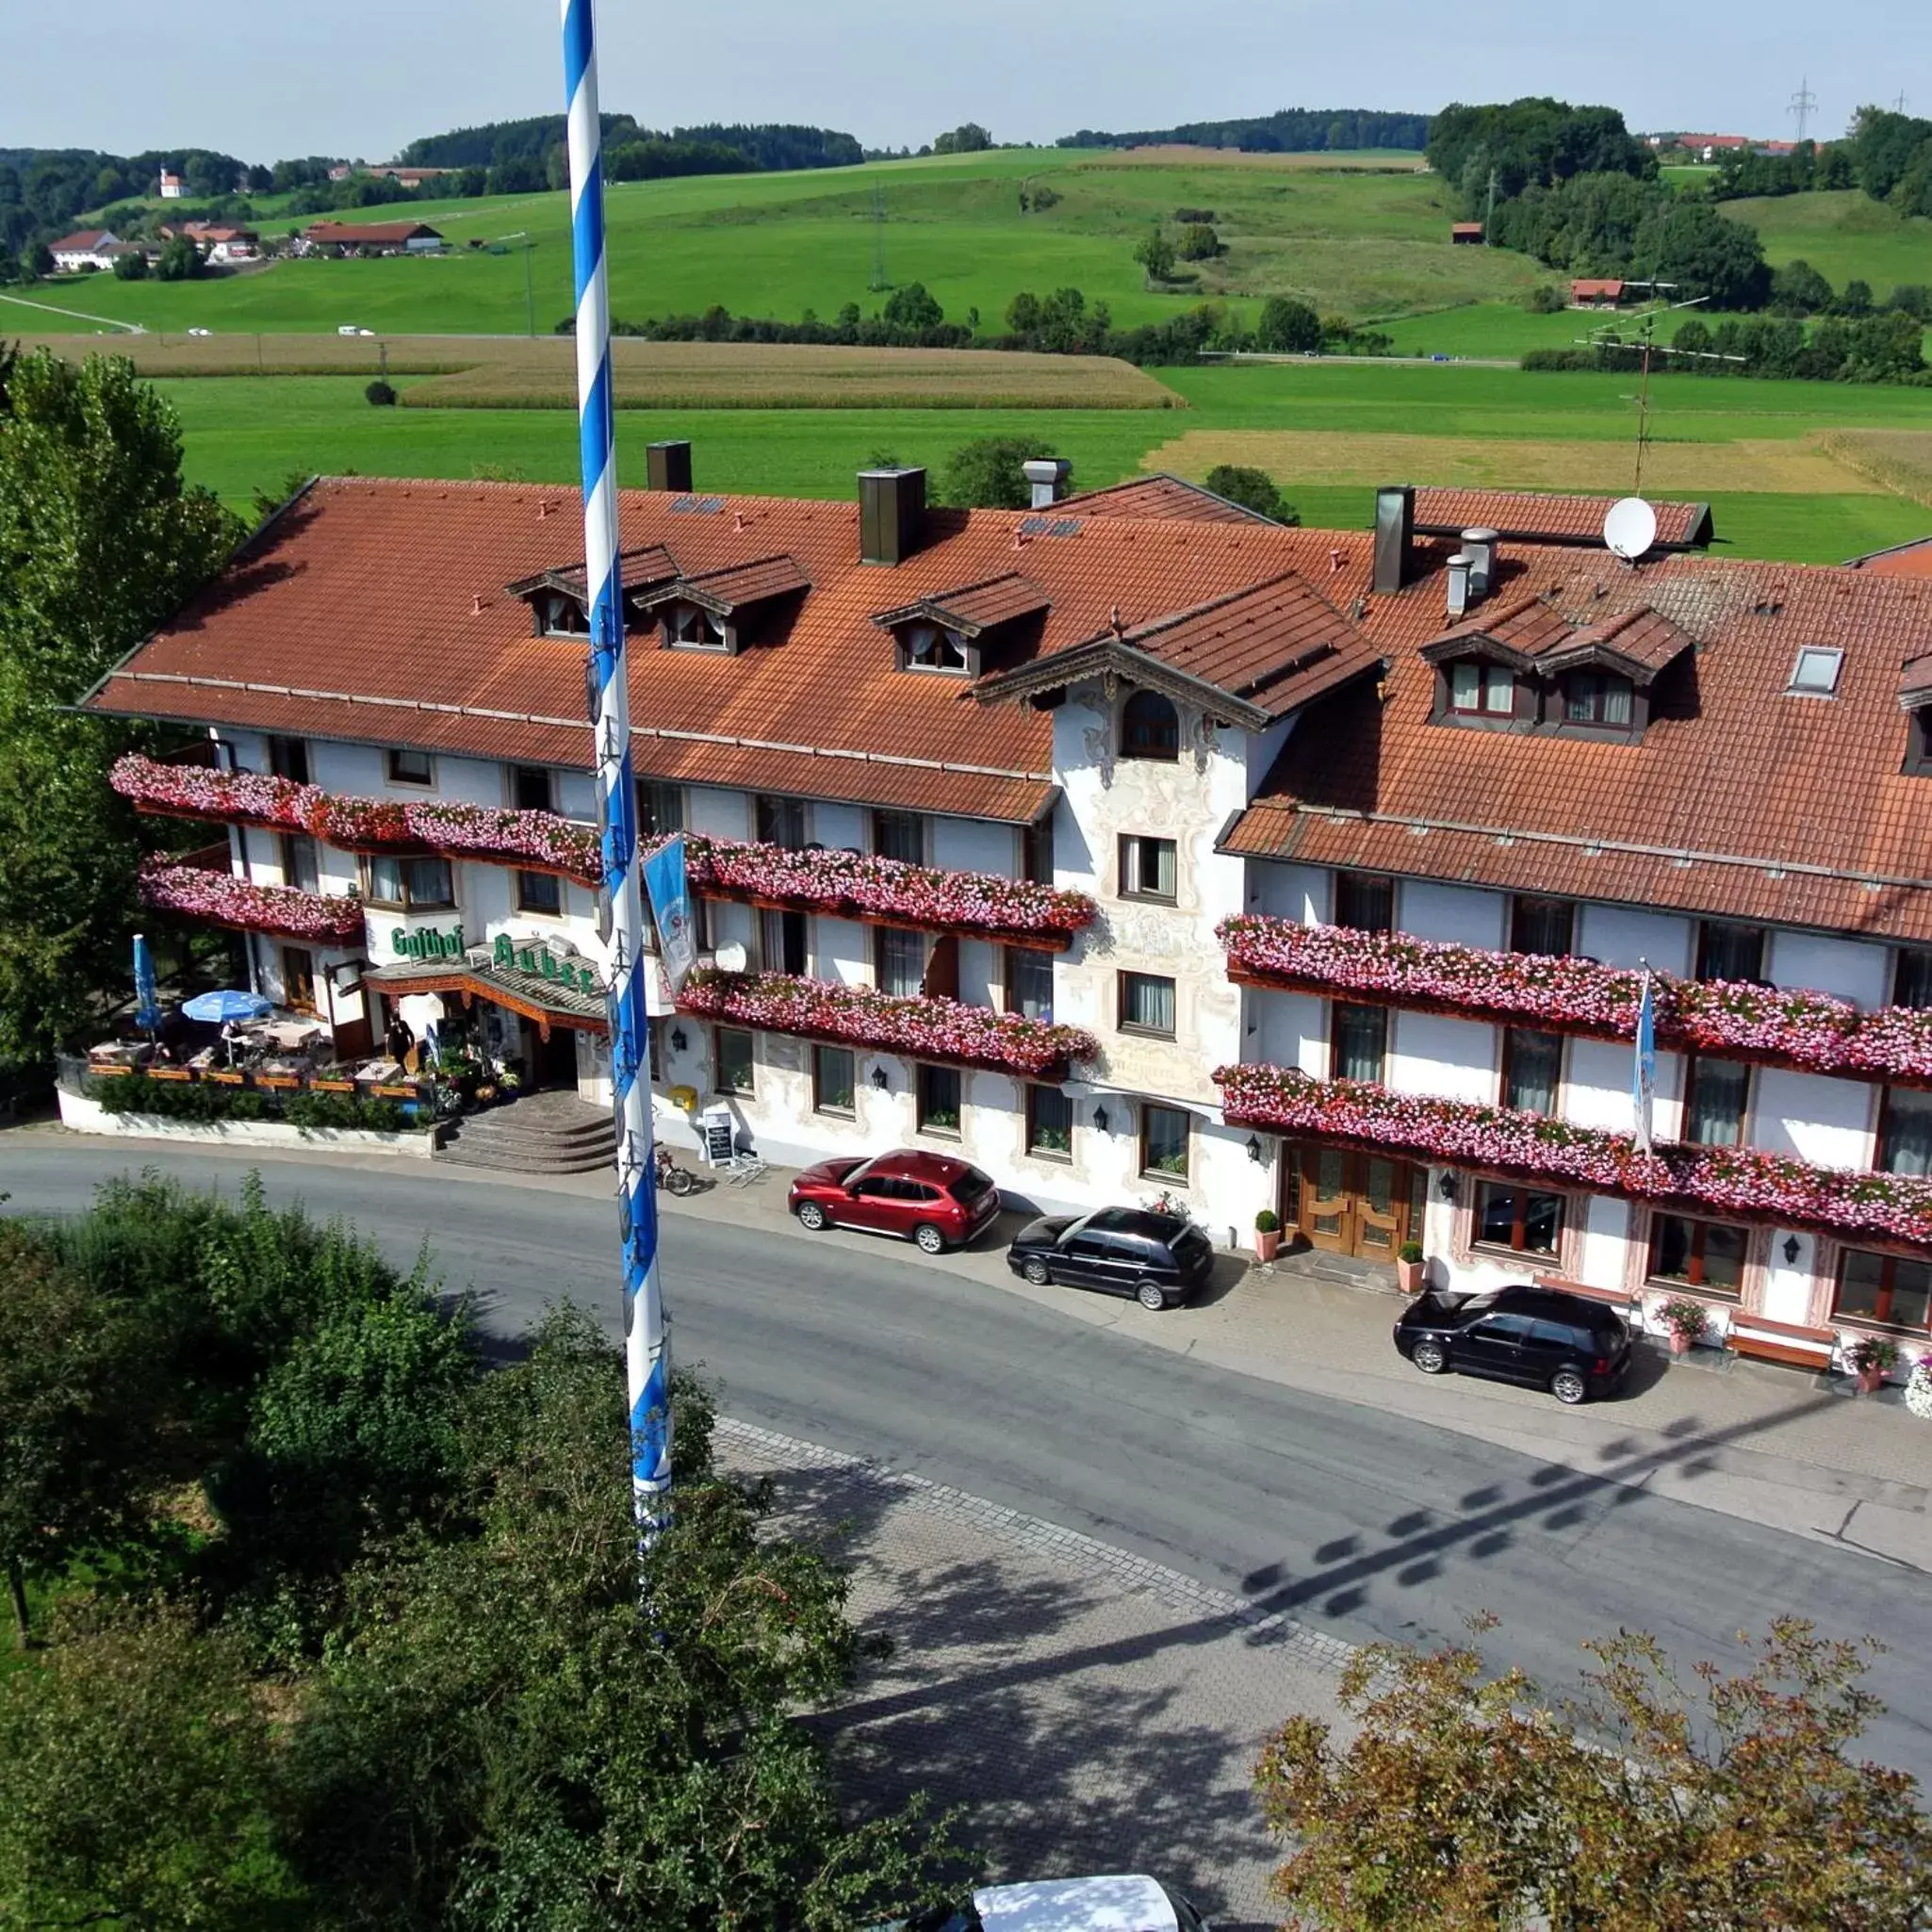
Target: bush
(132, 266)
(986, 474)
(1253, 489)
(380, 393)
(207, 1101)
(1287, 328)
(1268, 1223)
(1410, 1251)
(1188, 217)
(1545, 299)
(1156, 255)
(1198, 242)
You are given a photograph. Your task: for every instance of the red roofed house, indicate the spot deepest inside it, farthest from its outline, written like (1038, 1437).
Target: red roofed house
(1913, 559)
(1134, 842)
(86, 247)
(1595, 293)
(173, 186)
(1465, 232)
(371, 237)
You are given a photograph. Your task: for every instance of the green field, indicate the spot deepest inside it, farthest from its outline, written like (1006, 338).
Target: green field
(1842, 234)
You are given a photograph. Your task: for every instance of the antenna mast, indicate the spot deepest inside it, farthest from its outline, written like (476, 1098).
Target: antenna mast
(1803, 104)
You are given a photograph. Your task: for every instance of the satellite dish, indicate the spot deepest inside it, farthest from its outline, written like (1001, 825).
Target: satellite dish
(1629, 528)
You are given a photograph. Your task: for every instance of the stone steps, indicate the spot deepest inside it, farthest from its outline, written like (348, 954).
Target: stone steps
(546, 1134)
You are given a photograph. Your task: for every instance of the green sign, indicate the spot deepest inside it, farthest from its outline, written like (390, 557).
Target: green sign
(426, 942)
(541, 963)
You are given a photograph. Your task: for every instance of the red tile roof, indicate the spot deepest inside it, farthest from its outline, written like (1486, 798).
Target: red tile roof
(1913, 558)
(736, 586)
(1591, 286)
(1169, 498)
(79, 242)
(366, 233)
(975, 606)
(1539, 519)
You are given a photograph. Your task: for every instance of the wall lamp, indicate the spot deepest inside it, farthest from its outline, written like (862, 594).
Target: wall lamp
(1445, 1188)
(1791, 1249)
(1254, 1150)
(879, 1078)
(677, 1040)
(1100, 1117)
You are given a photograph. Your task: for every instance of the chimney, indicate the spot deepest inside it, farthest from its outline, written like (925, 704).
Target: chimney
(1395, 531)
(667, 466)
(1479, 546)
(892, 513)
(1460, 567)
(1048, 475)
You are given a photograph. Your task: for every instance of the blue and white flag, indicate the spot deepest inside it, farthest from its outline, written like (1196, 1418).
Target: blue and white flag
(147, 1001)
(1644, 1075)
(666, 881)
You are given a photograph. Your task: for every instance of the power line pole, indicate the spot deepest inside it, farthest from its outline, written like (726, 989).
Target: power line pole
(1803, 104)
(1489, 218)
(878, 239)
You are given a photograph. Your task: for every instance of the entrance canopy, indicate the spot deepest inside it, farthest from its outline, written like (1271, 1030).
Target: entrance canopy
(546, 1002)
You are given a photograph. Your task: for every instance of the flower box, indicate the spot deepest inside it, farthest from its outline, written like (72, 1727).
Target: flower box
(223, 1076)
(921, 1028)
(1814, 1031)
(396, 1091)
(222, 899)
(1735, 1180)
(168, 1073)
(332, 1086)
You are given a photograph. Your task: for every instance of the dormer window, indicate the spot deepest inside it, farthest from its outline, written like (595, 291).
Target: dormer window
(687, 628)
(1149, 727)
(1599, 697)
(1479, 689)
(563, 617)
(932, 648)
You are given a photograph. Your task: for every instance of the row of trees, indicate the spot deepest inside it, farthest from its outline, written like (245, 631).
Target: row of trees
(1533, 142)
(1289, 130)
(367, 1645)
(1878, 348)
(1889, 155)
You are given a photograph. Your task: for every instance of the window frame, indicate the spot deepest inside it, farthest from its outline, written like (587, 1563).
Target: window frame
(1519, 1220)
(392, 776)
(777, 804)
(655, 791)
(1911, 962)
(820, 1105)
(285, 754)
(924, 1073)
(1336, 1008)
(1035, 1151)
(945, 639)
(1148, 1171)
(1888, 1288)
(1352, 885)
(291, 843)
(1538, 905)
(1482, 712)
(1149, 752)
(1708, 931)
(1693, 1063)
(1596, 720)
(552, 613)
(547, 884)
(1693, 1276)
(918, 822)
(885, 936)
(1124, 1025)
(1010, 979)
(763, 917)
(1506, 1059)
(543, 777)
(366, 864)
(749, 1089)
(290, 951)
(714, 633)
(1130, 857)
(1888, 1100)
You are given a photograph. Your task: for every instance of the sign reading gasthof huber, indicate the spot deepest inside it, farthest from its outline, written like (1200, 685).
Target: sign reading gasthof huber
(540, 962)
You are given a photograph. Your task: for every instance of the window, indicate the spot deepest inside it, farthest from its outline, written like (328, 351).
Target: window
(403, 884)
(1164, 1138)
(734, 1060)
(411, 768)
(1596, 697)
(1815, 674)
(1543, 926)
(1361, 1043)
(899, 962)
(938, 1090)
(1363, 902)
(1704, 1254)
(299, 865)
(1883, 1287)
(928, 647)
(781, 941)
(540, 891)
(1518, 1218)
(299, 978)
(659, 808)
(1036, 851)
(564, 616)
(1532, 1070)
(1729, 951)
(1049, 1123)
(1905, 1132)
(1147, 1004)
(1148, 868)
(1150, 727)
(288, 758)
(531, 788)
(899, 835)
(1714, 1111)
(832, 1083)
(1911, 979)
(1030, 982)
(781, 822)
(1481, 690)
(687, 628)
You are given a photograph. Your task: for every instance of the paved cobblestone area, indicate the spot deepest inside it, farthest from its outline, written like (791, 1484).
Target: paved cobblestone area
(1090, 1709)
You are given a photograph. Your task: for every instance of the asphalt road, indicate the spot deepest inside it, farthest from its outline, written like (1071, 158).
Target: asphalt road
(1355, 1521)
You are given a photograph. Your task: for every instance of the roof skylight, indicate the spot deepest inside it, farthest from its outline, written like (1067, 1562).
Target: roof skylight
(1815, 674)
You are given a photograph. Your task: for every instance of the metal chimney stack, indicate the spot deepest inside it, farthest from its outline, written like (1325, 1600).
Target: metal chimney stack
(1479, 546)
(1395, 532)
(1460, 571)
(1048, 475)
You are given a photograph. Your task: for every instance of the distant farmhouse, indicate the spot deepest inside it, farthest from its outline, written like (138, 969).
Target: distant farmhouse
(1468, 234)
(221, 244)
(388, 170)
(371, 237)
(88, 248)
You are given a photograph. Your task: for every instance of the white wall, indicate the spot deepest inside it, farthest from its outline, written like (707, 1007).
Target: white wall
(716, 814)
(1300, 893)
(1619, 936)
(974, 844)
(839, 826)
(841, 950)
(1286, 1029)
(1788, 1283)
(1828, 1121)
(1597, 1083)
(978, 971)
(1853, 969)
(1459, 914)
(1606, 1228)
(1454, 1059)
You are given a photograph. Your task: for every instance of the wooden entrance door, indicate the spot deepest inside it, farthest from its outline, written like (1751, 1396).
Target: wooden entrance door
(1354, 1204)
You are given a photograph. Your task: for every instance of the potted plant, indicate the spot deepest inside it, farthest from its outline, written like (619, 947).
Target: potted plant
(1686, 1321)
(1870, 1358)
(1409, 1267)
(1919, 1388)
(1267, 1235)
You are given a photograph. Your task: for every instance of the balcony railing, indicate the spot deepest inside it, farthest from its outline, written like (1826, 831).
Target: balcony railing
(923, 1028)
(1812, 1031)
(531, 841)
(860, 885)
(1850, 1203)
(222, 899)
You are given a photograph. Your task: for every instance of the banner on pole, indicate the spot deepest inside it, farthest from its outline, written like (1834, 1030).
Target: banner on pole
(1644, 1073)
(670, 886)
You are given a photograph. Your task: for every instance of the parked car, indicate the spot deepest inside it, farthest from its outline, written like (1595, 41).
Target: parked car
(347, 328)
(935, 1199)
(1124, 1903)
(1541, 1337)
(201, 332)
(1160, 1259)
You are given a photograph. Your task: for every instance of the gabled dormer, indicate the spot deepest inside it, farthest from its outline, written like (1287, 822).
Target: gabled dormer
(1915, 700)
(1485, 668)
(559, 599)
(723, 611)
(945, 634)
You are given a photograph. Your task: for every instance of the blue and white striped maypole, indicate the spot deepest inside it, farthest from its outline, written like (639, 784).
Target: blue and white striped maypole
(646, 1356)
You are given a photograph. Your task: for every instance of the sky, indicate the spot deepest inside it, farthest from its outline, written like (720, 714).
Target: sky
(361, 77)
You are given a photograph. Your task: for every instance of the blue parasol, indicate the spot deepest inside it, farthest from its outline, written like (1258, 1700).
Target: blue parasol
(147, 1002)
(227, 1004)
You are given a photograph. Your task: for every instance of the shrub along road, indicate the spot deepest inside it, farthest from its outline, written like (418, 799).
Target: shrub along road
(1358, 1522)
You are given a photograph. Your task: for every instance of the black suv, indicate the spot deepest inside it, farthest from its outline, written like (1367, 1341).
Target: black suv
(1541, 1337)
(1159, 1259)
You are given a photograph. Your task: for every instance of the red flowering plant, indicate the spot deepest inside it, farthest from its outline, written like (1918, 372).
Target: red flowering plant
(1813, 1030)
(225, 900)
(193, 791)
(1740, 1180)
(924, 1029)
(853, 885)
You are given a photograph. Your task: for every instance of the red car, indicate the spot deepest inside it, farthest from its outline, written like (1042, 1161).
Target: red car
(932, 1198)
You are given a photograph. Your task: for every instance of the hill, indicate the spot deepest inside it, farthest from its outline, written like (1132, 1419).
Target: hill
(496, 143)
(1843, 234)
(1289, 130)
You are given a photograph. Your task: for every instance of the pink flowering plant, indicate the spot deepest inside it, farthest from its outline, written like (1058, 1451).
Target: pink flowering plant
(1813, 1030)
(1738, 1180)
(924, 1029)
(225, 900)
(851, 885)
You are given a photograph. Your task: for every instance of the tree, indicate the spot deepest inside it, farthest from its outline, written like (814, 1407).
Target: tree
(1287, 328)
(100, 540)
(1156, 255)
(36, 262)
(1253, 489)
(1854, 298)
(969, 137)
(382, 394)
(1465, 1803)
(1023, 313)
(986, 474)
(131, 267)
(1703, 252)
(1198, 242)
(911, 308)
(180, 261)
(1798, 289)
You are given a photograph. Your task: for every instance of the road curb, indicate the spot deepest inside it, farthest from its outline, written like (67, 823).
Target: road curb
(1099, 1560)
